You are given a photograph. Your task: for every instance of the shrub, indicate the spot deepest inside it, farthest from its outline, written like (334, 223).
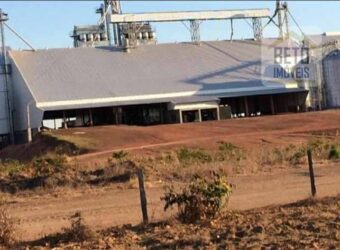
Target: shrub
(226, 146)
(271, 157)
(278, 156)
(7, 231)
(120, 155)
(202, 199)
(166, 158)
(78, 232)
(334, 153)
(191, 156)
(320, 148)
(10, 167)
(48, 166)
(324, 149)
(293, 155)
(228, 151)
(297, 156)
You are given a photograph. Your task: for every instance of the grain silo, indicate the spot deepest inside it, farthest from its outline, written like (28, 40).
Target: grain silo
(6, 128)
(331, 68)
(4, 118)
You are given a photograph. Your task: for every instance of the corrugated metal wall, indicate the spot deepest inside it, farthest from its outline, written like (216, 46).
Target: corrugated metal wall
(4, 126)
(331, 69)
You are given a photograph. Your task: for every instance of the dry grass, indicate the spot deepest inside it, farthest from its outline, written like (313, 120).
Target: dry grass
(323, 149)
(177, 164)
(11, 167)
(7, 229)
(78, 231)
(83, 144)
(49, 173)
(309, 224)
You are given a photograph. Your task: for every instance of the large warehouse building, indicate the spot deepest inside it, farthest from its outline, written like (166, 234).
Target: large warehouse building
(136, 81)
(154, 84)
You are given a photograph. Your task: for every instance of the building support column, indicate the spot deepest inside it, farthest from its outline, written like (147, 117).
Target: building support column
(218, 113)
(272, 106)
(246, 107)
(120, 115)
(29, 129)
(65, 120)
(161, 114)
(180, 116)
(90, 117)
(115, 115)
(298, 108)
(199, 116)
(83, 118)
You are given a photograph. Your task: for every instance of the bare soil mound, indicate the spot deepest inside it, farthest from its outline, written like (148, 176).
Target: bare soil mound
(50, 177)
(42, 145)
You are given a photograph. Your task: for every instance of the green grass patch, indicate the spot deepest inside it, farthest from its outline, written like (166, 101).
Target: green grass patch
(334, 152)
(193, 156)
(72, 144)
(228, 151)
(10, 167)
(322, 149)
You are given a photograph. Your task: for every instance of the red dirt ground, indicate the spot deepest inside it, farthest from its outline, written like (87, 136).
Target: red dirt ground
(118, 137)
(247, 132)
(108, 207)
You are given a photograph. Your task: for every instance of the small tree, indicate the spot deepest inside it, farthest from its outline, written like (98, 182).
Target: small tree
(202, 199)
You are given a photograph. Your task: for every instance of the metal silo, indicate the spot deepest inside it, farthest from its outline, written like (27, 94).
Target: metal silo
(6, 121)
(3, 110)
(331, 70)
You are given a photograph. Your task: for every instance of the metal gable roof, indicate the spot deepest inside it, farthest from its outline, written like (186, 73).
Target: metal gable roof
(85, 77)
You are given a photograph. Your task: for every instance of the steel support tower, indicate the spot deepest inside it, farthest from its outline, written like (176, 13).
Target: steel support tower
(257, 29)
(195, 18)
(282, 16)
(195, 31)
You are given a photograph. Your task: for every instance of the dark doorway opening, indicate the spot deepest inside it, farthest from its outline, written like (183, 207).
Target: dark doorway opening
(150, 114)
(190, 116)
(209, 114)
(4, 141)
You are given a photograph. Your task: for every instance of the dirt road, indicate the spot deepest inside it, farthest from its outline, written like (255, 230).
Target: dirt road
(105, 208)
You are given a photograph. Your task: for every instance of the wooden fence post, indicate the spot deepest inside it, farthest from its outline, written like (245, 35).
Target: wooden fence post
(143, 200)
(311, 172)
